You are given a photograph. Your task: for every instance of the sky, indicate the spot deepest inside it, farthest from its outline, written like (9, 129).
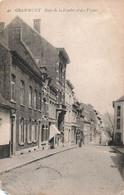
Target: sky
(92, 33)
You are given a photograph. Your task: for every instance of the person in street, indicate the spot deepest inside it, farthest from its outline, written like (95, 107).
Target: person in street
(81, 139)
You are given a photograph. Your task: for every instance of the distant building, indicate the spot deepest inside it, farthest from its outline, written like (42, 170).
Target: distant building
(118, 106)
(74, 120)
(68, 116)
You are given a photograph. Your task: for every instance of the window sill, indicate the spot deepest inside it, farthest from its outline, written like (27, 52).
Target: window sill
(12, 101)
(30, 108)
(22, 105)
(43, 143)
(29, 142)
(35, 141)
(39, 110)
(35, 109)
(21, 144)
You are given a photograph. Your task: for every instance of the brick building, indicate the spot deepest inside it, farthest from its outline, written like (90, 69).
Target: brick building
(26, 61)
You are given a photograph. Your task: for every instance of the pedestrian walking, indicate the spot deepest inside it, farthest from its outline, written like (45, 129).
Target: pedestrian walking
(81, 139)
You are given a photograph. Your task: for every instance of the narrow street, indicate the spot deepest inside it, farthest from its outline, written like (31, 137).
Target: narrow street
(89, 170)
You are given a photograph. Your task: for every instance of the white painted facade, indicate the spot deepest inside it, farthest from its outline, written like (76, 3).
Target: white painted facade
(5, 126)
(119, 129)
(68, 115)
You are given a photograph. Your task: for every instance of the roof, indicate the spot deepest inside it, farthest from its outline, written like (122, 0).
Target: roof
(40, 51)
(64, 53)
(120, 99)
(4, 102)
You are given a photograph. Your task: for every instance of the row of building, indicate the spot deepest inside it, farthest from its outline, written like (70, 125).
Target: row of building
(38, 108)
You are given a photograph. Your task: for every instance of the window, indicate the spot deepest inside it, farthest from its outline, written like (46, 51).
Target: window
(42, 133)
(29, 132)
(118, 110)
(13, 79)
(44, 106)
(39, 101)
(30, 96)
(33, 132)
(36, 132)
(22, 130)
(118, 123)
(35, 99)
(22, 91)
(47, 133)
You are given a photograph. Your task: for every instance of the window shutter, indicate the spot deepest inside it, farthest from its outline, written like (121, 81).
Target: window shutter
(28, 125)
(25, 130)
(19, 130)
(37, 123)
(32, 131)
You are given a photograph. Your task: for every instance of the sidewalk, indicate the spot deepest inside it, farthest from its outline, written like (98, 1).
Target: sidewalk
(8, 164)
(119, 149)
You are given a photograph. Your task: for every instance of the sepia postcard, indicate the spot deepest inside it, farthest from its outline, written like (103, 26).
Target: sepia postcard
(62, 97)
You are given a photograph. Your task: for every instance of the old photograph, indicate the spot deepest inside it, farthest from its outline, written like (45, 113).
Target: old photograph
(62, 97)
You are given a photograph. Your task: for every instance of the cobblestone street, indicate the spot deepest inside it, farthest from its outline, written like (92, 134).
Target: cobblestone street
(96, 170)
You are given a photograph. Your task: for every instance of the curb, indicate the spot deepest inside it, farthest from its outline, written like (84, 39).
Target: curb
(118, 151)
(32, 161)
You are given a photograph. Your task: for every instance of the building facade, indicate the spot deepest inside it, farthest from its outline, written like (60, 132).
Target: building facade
(6, 118)
(38, 99)
(118, 106)
(68, 134)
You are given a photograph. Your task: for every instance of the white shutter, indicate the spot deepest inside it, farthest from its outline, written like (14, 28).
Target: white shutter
(19, 130)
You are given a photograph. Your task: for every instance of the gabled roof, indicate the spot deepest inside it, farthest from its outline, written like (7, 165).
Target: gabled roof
(5, 103)
(39, 51)
(120, 99)
(40, 41)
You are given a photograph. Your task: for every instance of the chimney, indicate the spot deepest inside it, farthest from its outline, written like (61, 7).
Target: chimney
(2, 26)
(37, 25)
